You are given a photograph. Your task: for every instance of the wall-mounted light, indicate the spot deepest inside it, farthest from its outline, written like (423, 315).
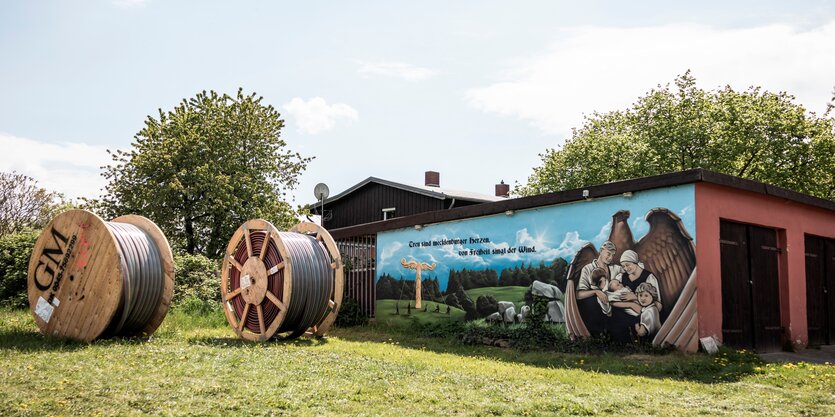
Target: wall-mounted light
(509, 212)
(586, 194)
(418, 226)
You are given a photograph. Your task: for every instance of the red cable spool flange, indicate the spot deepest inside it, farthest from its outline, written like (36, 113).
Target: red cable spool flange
(266, 286)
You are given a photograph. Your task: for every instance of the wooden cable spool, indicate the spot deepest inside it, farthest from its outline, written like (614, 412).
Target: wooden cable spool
(281, 284)
(91, 279)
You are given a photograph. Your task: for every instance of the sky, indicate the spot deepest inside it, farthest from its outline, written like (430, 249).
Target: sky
(475, 90)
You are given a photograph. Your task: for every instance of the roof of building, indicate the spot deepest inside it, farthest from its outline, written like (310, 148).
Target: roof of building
(593, 191)
(434, 192)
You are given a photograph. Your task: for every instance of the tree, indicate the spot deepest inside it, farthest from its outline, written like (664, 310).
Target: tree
(199, 171)
(24, 205)
(752, 134)
(486, 305)
(452, 300)
(466, 304)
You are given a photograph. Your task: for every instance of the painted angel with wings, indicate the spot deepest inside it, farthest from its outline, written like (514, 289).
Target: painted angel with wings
(628, 288)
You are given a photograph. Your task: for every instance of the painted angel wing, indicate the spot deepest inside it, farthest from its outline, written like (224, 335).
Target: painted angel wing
(669, 253)
(621, 234)
(573, 321)
(584, 256)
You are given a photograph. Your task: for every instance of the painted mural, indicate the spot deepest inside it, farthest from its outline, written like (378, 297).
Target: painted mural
(622, 265)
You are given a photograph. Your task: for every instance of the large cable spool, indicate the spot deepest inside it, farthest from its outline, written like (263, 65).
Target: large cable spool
(91, 279)
(281, 284)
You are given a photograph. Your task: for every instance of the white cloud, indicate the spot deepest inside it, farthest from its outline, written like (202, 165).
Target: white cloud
(639, 227)
(603, 235)
(387, 252)
(400, 70)
(316, 115)
(73, 169)
(126, 4)
(591, 69)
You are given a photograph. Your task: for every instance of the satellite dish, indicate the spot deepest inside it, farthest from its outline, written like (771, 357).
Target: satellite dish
(321, 191)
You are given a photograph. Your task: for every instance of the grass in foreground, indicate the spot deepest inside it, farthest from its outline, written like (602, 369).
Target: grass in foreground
(196, 366)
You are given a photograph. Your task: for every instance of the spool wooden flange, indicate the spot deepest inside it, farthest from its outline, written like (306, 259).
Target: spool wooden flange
(336, 264)
(256, 294)
(75, 275)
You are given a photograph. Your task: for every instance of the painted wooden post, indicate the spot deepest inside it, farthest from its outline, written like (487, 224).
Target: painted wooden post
(418, 267)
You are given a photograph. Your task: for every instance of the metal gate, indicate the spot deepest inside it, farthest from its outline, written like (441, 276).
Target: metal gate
(359, 256)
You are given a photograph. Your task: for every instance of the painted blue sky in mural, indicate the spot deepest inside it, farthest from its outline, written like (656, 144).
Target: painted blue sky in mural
(528, 236)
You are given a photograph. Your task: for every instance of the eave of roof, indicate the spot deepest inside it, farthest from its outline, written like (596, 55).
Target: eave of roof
(595, 191)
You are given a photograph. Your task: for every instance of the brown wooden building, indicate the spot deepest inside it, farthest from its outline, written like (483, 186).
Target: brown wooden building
(376, 199)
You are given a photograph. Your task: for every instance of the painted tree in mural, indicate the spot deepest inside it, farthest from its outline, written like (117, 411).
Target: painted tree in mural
(752, 134)
(203, 168)
(417, 267)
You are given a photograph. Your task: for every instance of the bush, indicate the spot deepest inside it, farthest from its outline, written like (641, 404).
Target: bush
(350, 314)
(15, 251)
(197, 280)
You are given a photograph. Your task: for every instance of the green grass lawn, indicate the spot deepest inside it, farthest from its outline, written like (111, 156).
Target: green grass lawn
(196, 366)
(516, 295)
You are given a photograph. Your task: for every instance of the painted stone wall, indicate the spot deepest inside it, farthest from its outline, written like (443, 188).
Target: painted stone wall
(622, 265)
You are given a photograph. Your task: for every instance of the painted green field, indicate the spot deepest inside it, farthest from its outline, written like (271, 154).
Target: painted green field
(386, 313)
(195, 366)
(516, 295)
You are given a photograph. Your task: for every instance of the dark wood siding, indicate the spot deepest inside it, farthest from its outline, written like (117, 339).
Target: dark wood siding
(820, 290)
(366, 204)
(750, 287)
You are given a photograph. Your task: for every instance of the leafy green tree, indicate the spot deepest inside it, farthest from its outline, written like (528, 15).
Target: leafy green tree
(203, 168)
(24, 205)
(752, 134)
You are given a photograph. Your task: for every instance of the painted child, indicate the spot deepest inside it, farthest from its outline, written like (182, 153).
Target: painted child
(650, 319)
(599, 281)
(617, 291)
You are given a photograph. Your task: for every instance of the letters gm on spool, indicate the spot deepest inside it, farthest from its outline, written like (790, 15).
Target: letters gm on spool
(91, 279)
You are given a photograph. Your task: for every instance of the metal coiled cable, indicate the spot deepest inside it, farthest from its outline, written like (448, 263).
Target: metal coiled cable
(312, 282)
(143, 279)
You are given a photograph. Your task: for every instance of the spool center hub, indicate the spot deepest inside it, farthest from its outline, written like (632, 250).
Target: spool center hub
(254, 280)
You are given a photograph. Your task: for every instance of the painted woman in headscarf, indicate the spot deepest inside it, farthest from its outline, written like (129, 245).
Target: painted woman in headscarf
(626, 313)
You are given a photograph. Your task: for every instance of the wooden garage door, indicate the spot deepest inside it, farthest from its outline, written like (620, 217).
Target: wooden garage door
(750, 287)
(820, 290)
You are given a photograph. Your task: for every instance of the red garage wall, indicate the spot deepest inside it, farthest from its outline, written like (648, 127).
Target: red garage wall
(791, 219)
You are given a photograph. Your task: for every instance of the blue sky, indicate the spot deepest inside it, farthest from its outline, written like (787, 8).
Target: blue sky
(474, 90)
(555, 232)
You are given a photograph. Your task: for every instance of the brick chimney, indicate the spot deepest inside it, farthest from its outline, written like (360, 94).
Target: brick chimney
(433, 179)
(502, 190)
